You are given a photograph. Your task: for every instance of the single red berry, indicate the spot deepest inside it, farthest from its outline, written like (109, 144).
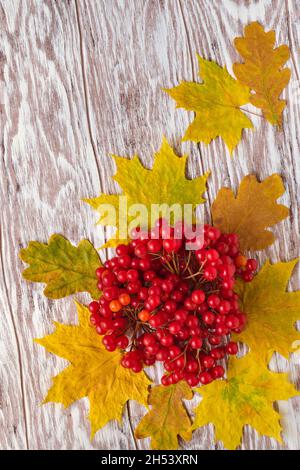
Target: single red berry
(217, 372)
(174, 351)
(148, 339)
(122, 342)
(205, 378)
(232, 348)
(192, 365)
(251, 265)
(141, 251)
(110, 293)
(208, 318)
(210, 273)
(213, 301)
(154, 246)
(124, 261)
(198, 296)
(224, 307)
(195, 342)
(132, 275)
(122, 250)
(247, 276)
(122, 276)
(95, 319)
(99, 272)
(232, 321)
(144, 264)
(214, 340)
(165, 380)
(213, 233)
(212, 255)
(162, 354)
(143, 293)
(208, 362)
(94, 307)
(192, 380)
(181, 315)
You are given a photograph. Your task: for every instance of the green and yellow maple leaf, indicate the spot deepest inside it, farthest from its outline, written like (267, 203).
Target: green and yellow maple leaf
(271, 311)
(262, 70)
(251, 211)
(245, 397)
(65, 268)
(167, 418)
(165, 185)
(94, 372)
(216, 103)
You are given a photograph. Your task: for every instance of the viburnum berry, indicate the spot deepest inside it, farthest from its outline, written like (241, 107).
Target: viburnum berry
(144, 315)
(124, 299)
(232, 348)
(162, 302)
(94, 307)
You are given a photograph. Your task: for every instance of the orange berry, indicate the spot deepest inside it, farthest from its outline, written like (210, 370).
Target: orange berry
(124, 299)
(115, 305)
(144, 315)
(240, 261)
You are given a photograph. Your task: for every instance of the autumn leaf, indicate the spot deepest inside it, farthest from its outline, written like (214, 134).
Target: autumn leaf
(216, 103)
(245, 397)
(167, 418)
(165, 184)
(65, 268)
(262, 70)
(93, 372)
(251, 211)
(271, 311)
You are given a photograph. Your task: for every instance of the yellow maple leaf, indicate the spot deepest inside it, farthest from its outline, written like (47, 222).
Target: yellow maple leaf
(262, 70)
(94, 372)
(216, 103)
(245, 397)
(167, 418)
(65, 268)
(252, 210)
(165, 185)
(271, 311)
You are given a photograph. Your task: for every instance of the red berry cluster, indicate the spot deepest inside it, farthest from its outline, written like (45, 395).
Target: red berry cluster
(161, 302)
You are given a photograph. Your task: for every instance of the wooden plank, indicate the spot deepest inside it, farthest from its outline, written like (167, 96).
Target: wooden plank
(83, 79)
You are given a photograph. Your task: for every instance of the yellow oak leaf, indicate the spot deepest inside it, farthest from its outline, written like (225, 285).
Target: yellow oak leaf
(251, 211)
(65, 268)
(167, 418)
(216, 103)
(262, 70)
(93, 372)
(164, 185)
(245, 397)
(271, 311)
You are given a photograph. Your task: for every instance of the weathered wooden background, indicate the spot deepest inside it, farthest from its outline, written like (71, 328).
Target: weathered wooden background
(80, 79)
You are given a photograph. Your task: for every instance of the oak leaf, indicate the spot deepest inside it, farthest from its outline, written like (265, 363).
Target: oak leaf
(93, 372)
(271, 311)
(65, 268)
(167, 418)
(216, 103)
(262, 70)
(245, 397)
(251, 211)
(165, 184)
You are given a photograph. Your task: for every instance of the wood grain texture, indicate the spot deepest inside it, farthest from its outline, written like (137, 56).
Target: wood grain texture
(80, 80)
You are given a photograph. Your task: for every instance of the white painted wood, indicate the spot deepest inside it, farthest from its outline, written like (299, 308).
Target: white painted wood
(80, 80)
